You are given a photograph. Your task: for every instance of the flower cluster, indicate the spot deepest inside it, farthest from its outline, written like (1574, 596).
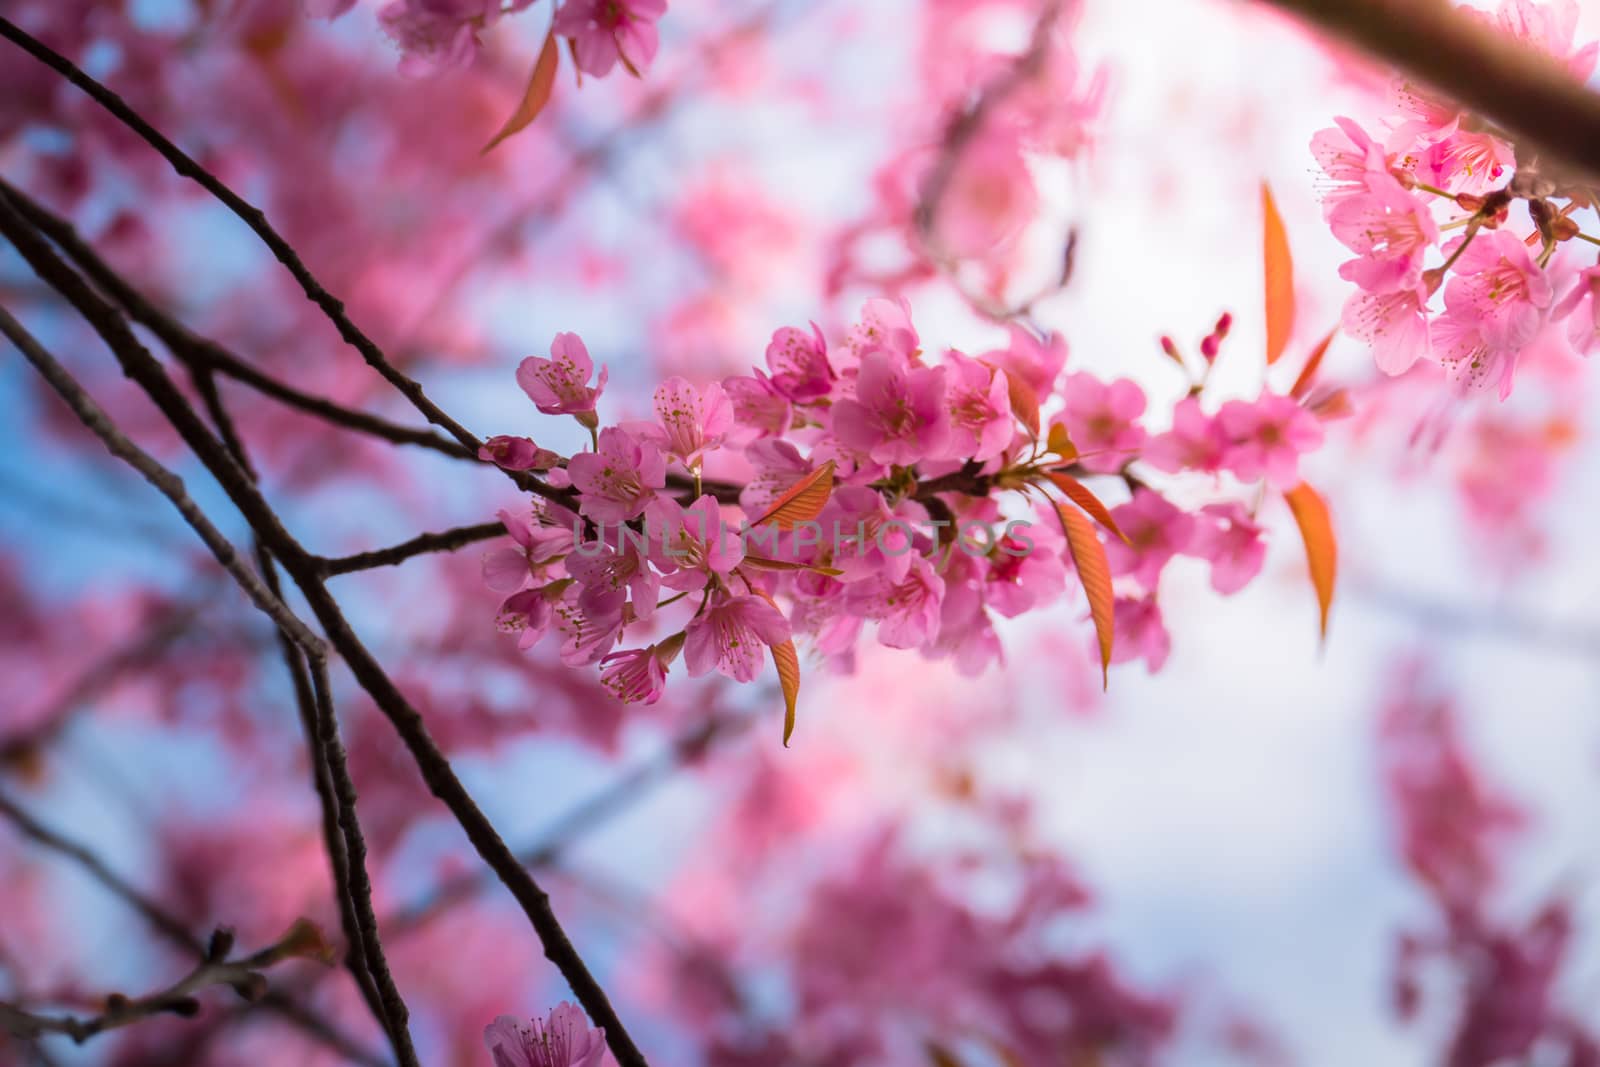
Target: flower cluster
(877, 488)
(1503, 222)
(441, 34)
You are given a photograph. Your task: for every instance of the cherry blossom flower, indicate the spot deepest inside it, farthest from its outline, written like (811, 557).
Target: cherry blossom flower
(1196, 442)
(691, 420)
(604, 31)
(799, 364)
(560, 385)
(980, 408)
(898, 414)
(1140, 633)
(1267, 437)
(692, 545)
(907, 610)
(517, 454)
(1349, 158)
(1156, 531)
(617, 480)
(635, 675)
(1230, 540)
(1102, 420)
(435, 35)
(758, 405)
(563, 1040)
(1395, 324)
(1581, 310)
(535, 544)
(731, 635)
(1390, 230)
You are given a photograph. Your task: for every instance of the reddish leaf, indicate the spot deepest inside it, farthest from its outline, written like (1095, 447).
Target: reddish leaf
(803, 501)
(939, 1056)
(1024, 403)
(1094, 573)
(1080, 495)
(787, 660)
(540, 84)
(1308, 373)
(1279, 276)
(1322, 550)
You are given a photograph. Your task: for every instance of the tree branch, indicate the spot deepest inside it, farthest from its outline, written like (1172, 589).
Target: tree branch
(1538, 104)
(436, 770)
(444, 541)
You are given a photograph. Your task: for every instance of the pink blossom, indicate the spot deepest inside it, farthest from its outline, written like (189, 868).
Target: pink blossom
(535, 544)
(907, 610)
(981, 424)
(1156, 531)
(1140, 633)
(560, 385)
(1465, 162)
(527, 614)
(1102, 420)
(1196, 442)
(588, 630)
(884, 324)
(799, 364)
(1268, 437)
(1390, 230)
(1494, 306)
(1025, 569)
(611, 571)
(517, 454)
(634, 675)
(1581, 310)
(898, 413)
(1395, 324)
(616, 481)
(436, 35)
(1230, 540)
(563, 1040)
(1033, 362)
(603, 31)
(731, 635)
(872, 539)
(778, 465)
(692, 545)
(1349, 158)
(758, 405)
(692, 421)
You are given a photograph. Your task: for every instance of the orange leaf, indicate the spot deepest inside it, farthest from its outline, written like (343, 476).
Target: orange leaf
(939, 1056)
(787, 660)
(536, 95)
(1280, 278)
(1322, 550)
(803, 501)
(1080, 495)
(1024, 402)
(1094, 574)
(1308, 374)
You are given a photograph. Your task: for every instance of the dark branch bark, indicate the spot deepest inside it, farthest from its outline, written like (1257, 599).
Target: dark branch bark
(444, 541)
(1539, 106)
(436, 770)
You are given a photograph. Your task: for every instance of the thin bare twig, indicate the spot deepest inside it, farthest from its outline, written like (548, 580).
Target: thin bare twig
(443, 541)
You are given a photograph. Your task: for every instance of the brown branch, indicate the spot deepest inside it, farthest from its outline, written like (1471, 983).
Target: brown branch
(198, 351)
(147, 372)
(1538, 104)
(214, 969)
(444, 541)
(92, 416)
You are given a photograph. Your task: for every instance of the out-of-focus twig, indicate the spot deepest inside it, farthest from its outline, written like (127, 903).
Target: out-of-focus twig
(1541, 107)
